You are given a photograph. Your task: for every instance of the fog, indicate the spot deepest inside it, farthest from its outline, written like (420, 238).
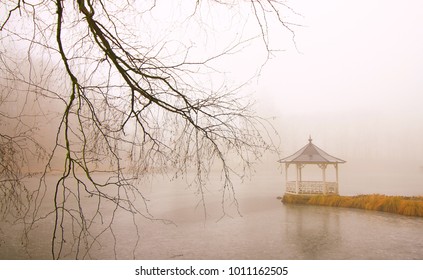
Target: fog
(354, 84)
(350, 78)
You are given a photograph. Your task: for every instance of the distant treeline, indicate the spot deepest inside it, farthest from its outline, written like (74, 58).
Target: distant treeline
(410, 206)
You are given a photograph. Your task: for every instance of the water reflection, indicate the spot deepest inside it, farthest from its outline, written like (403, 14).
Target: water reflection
(315, 233)
(337, 233)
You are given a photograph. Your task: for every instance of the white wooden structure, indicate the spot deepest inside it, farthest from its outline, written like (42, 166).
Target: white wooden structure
(310, 154)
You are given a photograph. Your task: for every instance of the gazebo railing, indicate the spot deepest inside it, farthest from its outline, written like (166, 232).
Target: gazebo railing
(311, 187)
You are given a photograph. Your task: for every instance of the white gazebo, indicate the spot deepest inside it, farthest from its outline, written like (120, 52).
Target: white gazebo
(310, 154)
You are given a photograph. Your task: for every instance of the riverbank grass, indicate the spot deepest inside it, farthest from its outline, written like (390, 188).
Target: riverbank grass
(403, 205)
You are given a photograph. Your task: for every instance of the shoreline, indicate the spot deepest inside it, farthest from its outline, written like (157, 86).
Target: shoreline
(402, 205)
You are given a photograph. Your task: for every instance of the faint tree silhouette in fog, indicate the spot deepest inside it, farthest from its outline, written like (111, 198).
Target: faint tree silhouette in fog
(128, 102)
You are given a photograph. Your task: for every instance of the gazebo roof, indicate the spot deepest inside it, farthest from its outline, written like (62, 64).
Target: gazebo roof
(310, 153)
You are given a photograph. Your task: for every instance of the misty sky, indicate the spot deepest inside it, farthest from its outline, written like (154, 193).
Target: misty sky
(353, 80)
(356, 82)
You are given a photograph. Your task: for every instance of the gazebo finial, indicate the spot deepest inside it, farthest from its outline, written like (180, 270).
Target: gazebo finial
(309, 138)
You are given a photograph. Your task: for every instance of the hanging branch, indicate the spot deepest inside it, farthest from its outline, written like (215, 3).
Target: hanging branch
(130, 107)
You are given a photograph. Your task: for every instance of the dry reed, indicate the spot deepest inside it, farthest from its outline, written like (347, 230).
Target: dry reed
(410, 206)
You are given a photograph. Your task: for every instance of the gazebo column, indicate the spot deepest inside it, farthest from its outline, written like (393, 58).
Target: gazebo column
(286, 174)
(299, 177)
(301, 172)
(323, 167)
(337, 184)
(297, 181)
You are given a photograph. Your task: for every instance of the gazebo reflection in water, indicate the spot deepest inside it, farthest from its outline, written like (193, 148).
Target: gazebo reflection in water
(310, 154)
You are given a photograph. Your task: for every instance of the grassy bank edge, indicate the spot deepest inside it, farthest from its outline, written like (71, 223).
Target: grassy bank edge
(403, 205)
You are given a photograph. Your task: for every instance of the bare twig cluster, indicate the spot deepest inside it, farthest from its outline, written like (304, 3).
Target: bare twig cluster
(128, 104)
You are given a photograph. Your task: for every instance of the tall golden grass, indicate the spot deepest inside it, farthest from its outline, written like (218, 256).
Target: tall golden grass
(409, 206)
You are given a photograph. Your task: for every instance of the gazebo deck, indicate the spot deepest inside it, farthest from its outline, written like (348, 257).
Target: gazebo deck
(311, 187)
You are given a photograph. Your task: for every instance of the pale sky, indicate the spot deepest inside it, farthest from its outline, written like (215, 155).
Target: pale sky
(356, 81)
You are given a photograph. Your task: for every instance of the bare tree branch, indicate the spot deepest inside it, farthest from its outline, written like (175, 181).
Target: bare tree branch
(123, 104)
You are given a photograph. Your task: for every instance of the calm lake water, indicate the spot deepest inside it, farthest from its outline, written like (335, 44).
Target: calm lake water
(267, 228)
